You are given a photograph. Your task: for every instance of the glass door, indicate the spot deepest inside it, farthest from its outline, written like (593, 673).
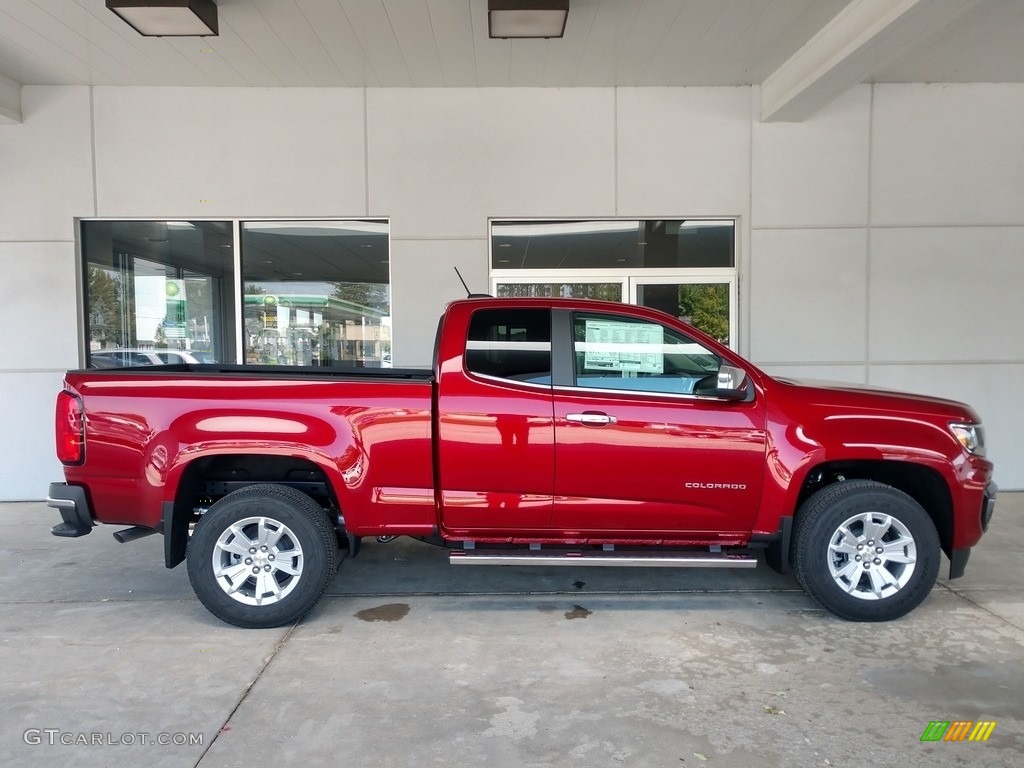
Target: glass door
(706, 303)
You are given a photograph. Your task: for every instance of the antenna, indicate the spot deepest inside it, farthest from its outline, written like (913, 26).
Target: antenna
(469, 293)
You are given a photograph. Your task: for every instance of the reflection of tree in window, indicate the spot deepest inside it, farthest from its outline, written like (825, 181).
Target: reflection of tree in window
(706, 307)
(373, 295)
(106, 321)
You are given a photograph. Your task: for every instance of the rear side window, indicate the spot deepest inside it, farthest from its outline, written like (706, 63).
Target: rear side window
(511, 344)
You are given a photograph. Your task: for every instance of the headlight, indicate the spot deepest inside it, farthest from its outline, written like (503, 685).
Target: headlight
(970, 436)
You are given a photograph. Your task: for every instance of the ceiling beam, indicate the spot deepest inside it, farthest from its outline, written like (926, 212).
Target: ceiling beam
(862, 38)
(10, 101)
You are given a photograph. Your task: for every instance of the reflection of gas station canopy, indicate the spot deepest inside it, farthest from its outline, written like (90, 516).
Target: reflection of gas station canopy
(332, 306)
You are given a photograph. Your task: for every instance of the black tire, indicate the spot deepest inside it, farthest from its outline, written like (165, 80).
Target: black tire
(842, 581)
(297, 567)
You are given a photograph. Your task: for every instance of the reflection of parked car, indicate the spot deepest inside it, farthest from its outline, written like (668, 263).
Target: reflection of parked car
(102, 362)
(120, 358)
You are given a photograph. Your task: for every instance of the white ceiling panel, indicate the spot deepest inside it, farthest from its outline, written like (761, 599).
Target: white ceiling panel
(452, 27)
(986, 45)
(248, 23)
(369, 19)
(646, 34)
(114, 37)
(23, 65)
(527, 63)
(608, 31)
(30, 18)
(414, 32)
(336, 35)
(444, 43)
(564, 57)
(46, 46)
(206, 55)
(493, 57)
(676, 50)
(284, 17)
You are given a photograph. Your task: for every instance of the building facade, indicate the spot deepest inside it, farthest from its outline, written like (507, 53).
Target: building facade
(879, 241)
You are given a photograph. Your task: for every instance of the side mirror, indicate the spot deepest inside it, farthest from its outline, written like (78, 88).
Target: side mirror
(730, 383)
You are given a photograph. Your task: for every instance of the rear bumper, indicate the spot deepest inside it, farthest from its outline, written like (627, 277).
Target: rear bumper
(958, 557)
(71, 502)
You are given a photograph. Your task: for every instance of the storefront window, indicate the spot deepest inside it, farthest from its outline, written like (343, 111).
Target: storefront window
(316, 293)
(158, 292)
(164, 292)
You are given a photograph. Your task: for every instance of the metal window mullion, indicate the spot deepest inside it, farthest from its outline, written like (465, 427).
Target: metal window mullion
(236, 235)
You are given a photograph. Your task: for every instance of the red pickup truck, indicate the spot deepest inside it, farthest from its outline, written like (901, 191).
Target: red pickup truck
(549, 432)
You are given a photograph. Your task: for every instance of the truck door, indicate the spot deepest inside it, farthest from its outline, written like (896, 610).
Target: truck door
(496, 423)
(642, 442)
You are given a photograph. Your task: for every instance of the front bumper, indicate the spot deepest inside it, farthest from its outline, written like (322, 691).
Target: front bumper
(73, 505)
(958, 557)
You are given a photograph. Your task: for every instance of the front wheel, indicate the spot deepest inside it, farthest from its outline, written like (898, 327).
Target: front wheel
(262, 556)
(865, 551)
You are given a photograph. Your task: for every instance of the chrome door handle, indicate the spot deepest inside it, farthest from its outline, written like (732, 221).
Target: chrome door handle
(591, 419)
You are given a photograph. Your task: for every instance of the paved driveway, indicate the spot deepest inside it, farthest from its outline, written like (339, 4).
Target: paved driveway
(409, 662)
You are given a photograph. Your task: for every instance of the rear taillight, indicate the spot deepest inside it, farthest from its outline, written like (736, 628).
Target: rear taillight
(70, 422)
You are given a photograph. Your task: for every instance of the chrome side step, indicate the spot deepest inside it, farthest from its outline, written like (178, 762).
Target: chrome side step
(618, 558)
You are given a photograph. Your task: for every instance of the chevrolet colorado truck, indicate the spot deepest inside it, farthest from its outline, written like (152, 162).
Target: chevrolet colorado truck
(549, 432)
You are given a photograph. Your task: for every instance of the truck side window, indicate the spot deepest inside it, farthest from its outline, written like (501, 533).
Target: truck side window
(616, 352)
(511, 344)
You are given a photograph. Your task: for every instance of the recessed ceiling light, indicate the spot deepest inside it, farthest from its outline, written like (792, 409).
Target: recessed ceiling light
(168, 18)
(526, 18)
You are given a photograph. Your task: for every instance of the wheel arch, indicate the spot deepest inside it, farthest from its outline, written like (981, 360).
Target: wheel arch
(210, 476)
(924, 484)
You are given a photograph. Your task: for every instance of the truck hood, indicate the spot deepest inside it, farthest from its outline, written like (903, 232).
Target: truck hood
(864, 396)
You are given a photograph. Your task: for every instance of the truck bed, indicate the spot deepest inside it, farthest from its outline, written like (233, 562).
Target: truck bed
(362, 435)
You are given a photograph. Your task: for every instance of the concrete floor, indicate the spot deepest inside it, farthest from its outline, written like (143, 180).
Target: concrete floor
(409, 661)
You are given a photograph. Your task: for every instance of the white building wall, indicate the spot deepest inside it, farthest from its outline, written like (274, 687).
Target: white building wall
(46, 180)
(922, 188)
(947, 225)
(880, 240)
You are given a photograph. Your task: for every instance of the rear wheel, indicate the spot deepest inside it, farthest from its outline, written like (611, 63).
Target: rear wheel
(262, 556)
(865, 551)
